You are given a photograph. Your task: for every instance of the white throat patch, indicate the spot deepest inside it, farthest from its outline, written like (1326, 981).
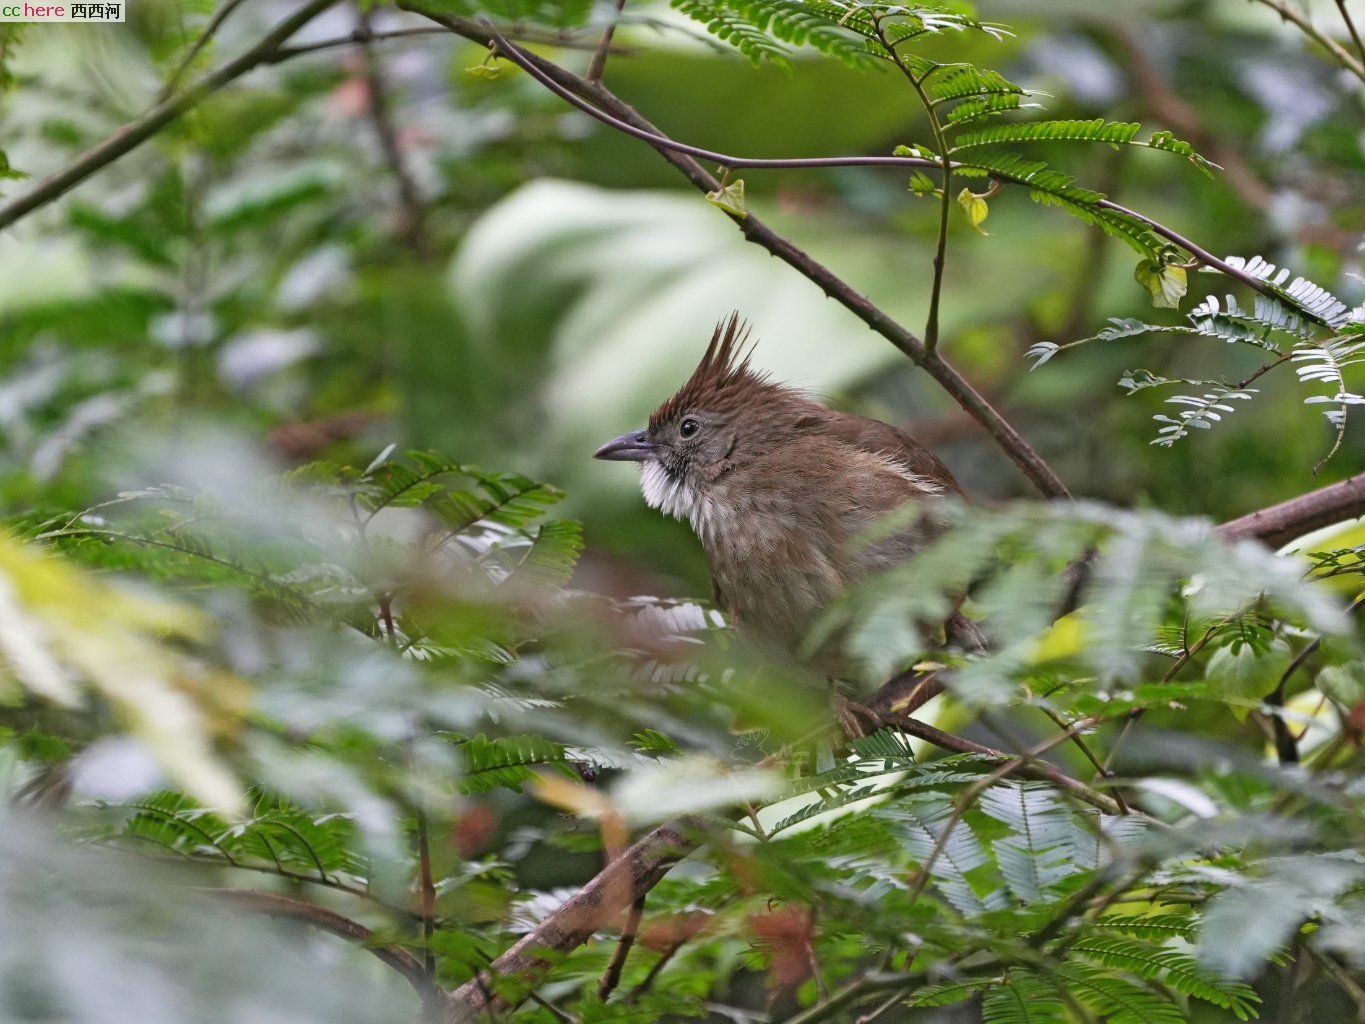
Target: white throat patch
(674, 497)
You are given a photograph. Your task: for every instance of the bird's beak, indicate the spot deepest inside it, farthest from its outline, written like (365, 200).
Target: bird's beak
(633, 447)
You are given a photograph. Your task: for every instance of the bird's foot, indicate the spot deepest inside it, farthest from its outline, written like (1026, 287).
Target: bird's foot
(854, 717)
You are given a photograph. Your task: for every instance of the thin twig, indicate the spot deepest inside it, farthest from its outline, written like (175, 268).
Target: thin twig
(298, 910)
(612, 977)
(1289, 13)
(945, 198)
(561, 40)
(428, 885)
(132, 135)
(882, 1009)
(1335, 971)
(563, 82)
(1261, 371)
(205, 37)
(969, 795)
(412, 209)
(1286, 744)
(647, 982)
(599, 57)
(1079, 742)
(1351, 28)
(1030, 768)
(571, 88)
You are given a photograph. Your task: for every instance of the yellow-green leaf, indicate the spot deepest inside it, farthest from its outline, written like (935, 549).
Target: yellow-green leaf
(1165, 283)
(486, 70)
(922, 185)
(1247, 671)
(974, 206)
(730, 198)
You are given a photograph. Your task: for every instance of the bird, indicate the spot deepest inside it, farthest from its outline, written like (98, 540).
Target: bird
(778, 489)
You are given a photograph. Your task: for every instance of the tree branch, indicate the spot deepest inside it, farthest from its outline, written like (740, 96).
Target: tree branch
(1288, 13)
(568, 85)
(599, 57)
(622, 882)
(210, 30)
(132, 135)
(612, 977)
(325, 920)
(1279, 524)
(412, 211)
(610, 110)
(560, 40)
(945, 199)
(1351, 28)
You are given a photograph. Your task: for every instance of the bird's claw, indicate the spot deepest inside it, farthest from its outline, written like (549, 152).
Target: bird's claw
(853, 717)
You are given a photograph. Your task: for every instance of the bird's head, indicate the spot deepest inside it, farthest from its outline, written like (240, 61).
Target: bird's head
(721, 418)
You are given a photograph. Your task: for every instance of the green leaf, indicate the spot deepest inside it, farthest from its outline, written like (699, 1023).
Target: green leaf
(1097, 130)
(922, 185)
(1121, 1001)
(974, 206)
(1038, 856)
(1344, 684)
(1248, 670)
(1114, 133)
(506, 762)
(1153, 926)
(1055, 188)
(961, 82)
(486, 71)
(736, 30)
(1170, 967)
(946, 994)
(730, 198)
(1165, 282)
(1024, 998)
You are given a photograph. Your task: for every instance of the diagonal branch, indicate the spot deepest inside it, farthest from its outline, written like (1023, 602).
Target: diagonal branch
(604, 106)
(1351, 28)
(210, 30)
(599, 57)
(623, 882)
(1287, 12)
(633, 874)
(1282, 523)
(132, 135)
(412, 213)
(564, 82)
(325, 920)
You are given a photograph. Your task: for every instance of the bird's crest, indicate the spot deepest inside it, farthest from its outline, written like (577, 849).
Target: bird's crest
(722, 379)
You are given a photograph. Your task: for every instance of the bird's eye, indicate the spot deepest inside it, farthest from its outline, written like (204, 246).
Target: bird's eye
(688, 427)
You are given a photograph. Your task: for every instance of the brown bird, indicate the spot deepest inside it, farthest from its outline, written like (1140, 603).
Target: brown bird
(778, 488)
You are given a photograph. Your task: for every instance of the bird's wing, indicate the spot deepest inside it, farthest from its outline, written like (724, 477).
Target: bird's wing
(884, 439)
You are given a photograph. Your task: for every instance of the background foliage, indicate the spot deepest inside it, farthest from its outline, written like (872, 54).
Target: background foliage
(315, 615)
